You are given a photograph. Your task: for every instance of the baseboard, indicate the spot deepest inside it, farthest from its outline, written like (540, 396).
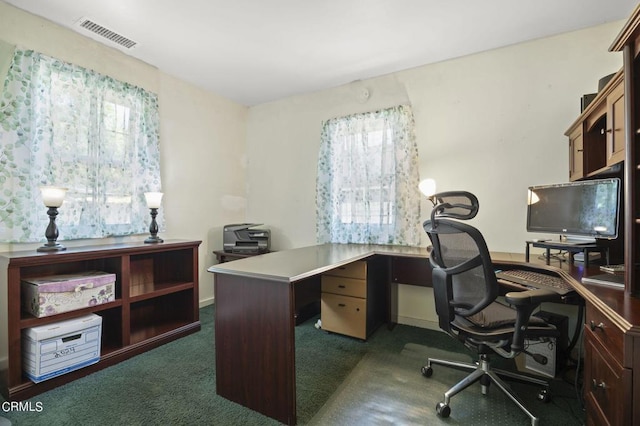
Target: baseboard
(206, 302)
(418, 322)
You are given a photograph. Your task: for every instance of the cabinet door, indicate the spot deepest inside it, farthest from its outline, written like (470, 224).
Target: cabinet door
(576, 154)
(615, 126)
(605, 385)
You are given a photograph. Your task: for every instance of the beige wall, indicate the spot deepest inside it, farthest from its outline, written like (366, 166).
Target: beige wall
(491, 123)
(202, 137)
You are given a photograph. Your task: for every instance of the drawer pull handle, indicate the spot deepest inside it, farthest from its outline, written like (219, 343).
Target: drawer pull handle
(595, 385)
(342, 286)
(593, 326)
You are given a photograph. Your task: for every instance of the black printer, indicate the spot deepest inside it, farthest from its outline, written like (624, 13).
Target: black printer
(240, 238)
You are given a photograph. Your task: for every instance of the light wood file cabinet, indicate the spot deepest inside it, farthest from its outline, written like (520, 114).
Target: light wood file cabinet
(352, 302)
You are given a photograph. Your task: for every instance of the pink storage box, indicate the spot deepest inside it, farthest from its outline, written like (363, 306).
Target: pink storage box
(45, 296)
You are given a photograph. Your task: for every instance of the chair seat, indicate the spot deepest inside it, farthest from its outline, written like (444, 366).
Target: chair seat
(496, 322)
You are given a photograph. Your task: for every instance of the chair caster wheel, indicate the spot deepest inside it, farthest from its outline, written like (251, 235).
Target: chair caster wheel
(427, 371)
(544, 395)
(443, 410)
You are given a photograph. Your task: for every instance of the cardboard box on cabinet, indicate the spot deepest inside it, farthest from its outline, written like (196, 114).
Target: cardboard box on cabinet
(50, 295)
(58, 348)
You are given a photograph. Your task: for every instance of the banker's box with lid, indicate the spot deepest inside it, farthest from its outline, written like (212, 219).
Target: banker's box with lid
(54, 349)
(50, 295)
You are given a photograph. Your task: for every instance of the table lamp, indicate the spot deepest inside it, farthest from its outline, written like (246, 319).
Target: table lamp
(428, 188)
(153, 202)
(52, 196)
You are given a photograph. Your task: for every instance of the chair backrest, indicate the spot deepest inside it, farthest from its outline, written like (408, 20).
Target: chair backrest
(464, 282)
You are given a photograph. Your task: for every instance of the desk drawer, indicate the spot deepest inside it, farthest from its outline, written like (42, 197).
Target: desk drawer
(344, 315)
(351, 270)
(607, 386)
(344, 286)
(605, 331)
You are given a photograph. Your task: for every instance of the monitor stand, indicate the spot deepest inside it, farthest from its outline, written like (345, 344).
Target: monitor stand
(583, 246)
(574, 240)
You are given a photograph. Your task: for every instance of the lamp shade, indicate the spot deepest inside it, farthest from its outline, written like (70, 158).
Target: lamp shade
(153, 199)
(428, 187)
(52, 196)
(532, 197)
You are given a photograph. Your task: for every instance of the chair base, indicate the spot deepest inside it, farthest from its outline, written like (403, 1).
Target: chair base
(482, 371)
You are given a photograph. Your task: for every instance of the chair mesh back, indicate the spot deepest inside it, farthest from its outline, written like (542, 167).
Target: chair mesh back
(463, 279)
(455, 248)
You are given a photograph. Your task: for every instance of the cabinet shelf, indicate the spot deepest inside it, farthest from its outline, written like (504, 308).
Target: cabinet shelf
(156, 292)
(29, 320)
(151, 290)
(157, 316)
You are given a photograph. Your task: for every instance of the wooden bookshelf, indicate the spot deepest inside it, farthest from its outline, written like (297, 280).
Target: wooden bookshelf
(156, 301)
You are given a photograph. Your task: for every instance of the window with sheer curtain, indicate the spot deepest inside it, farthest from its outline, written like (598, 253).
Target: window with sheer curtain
(367, 183)
(64, 125)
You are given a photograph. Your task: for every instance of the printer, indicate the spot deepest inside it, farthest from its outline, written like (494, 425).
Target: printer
(241, 238)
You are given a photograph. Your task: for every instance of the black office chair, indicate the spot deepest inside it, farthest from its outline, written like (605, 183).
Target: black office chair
(465, 290)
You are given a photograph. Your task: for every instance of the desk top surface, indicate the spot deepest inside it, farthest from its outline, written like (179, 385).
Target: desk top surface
(300, 263)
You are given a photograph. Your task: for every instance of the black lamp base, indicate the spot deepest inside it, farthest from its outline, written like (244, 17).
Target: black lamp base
(153, 228)
(154, 239)
(51, 233)
(51, 247)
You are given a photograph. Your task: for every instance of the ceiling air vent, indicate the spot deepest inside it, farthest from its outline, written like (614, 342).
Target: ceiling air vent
(103, 32)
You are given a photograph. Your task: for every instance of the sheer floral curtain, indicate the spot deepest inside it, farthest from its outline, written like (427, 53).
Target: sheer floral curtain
(64, 125)
(367, 184)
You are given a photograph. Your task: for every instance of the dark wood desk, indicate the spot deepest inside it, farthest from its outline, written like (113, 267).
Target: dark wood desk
(225, 256)
(255, 320)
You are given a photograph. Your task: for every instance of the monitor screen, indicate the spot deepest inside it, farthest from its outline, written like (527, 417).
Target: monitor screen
(585, 208)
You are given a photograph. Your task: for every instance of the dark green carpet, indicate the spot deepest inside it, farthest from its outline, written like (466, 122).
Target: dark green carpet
(175, 384)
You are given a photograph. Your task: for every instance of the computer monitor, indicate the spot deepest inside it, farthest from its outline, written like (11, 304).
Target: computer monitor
(584, 209)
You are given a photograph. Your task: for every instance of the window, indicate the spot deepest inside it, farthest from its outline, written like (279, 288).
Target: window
(367, 188)
(68, 126)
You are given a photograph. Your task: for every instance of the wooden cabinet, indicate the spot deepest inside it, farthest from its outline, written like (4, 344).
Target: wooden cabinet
(615, 124)
(596, 138)
(628, 42)
(606, 380)
(611, 136)
(156, 301)
(576, 154)
(353, 298)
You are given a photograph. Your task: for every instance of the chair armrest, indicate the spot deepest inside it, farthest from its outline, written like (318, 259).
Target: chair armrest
(525, 302)
(531, 297)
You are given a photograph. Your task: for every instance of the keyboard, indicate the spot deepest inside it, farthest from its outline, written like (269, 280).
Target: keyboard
(532, 279)
(612, 268)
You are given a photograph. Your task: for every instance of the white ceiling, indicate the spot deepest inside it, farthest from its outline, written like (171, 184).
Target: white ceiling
(256, 51)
